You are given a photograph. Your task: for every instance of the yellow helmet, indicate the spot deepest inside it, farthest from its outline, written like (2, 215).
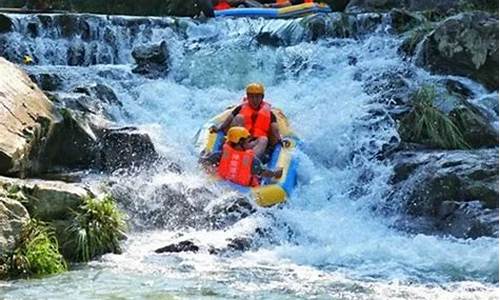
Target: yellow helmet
(235, 134)
(255, 88)
(27, 59)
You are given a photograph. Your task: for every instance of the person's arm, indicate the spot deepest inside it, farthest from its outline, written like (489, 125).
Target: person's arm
(259, 169)
(225, 125)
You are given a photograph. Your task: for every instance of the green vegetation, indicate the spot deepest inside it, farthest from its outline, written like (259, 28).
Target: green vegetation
(427, 125)
(97, 228)
(36, 254)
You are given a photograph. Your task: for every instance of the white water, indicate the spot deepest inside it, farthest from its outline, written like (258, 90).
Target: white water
(326, 241)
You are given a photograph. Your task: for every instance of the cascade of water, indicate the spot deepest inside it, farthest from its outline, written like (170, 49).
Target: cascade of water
(327, 234)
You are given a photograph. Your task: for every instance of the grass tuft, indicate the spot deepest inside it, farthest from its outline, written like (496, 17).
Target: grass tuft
(427, 125)
(97, 228)
(36, 254)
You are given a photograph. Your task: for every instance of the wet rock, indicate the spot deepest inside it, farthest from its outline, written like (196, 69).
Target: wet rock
(465, 45)
(68, 24)
(426, 183)
(229, 212)
(151, 60)
(368, 22)
(13, 216)
(184, 246)
(402, 20)
(467, 220)
(76, 54)
(363, 6)
(99, 92)
(391, 88)
(73, 144)
(475, 127)
(46, 200)
(184, 8)
(28, 119)
(124, 148)
(337, 5)
(310, 28)
(6, 24)
(47, 81)
(32, 29)
(239, 244)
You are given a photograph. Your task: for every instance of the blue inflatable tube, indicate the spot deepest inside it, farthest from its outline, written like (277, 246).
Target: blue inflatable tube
(284, 12)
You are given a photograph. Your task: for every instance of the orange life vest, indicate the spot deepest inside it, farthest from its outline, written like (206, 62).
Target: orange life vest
(236, 166)
(222, 5)
(257, 122)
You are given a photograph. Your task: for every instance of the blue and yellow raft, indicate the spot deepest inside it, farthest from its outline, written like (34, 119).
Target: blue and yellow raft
(284, 12)
(271, 191)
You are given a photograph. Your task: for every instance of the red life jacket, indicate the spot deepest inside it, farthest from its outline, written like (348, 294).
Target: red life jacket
(257, 122)
(222, 5)
(236, 166)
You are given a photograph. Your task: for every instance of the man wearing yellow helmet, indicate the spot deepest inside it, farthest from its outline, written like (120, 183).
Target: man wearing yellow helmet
(237, 161)
(256, 116)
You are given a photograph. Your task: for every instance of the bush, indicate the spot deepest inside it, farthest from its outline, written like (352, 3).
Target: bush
(425, 124)
(97, 228)
(36, 254)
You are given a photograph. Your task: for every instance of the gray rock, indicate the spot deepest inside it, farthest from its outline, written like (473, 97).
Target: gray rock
(46, 200)
(124, 148)
(465, 45)
(434, 186)
(13, 216)
(27, 118)
(99, 92)
(47, 81)
(76, 54)
(184, 246)
(151, 60)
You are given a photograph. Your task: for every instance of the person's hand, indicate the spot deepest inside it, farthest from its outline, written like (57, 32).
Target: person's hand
(286, 142)
(278, 173)
(213, 129)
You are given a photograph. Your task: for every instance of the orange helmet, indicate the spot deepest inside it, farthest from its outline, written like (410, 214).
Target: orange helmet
(255, 88)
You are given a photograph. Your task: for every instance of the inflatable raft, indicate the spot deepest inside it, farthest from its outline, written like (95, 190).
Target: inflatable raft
(271, 191)
(284, 12)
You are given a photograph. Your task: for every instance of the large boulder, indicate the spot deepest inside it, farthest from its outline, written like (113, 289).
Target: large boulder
(46, 200)
(73, 143)
(13, 216)
(465, 45)
(125, 148)
(443, 187)
(27, 119)
(151, 60)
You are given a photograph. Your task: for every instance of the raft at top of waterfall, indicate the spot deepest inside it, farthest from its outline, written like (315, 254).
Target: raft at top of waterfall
(266, 12)
(267, 171)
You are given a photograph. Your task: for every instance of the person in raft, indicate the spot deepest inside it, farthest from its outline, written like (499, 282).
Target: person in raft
(285, 3)
(227, 4)
(256, 116)
(237, 162)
